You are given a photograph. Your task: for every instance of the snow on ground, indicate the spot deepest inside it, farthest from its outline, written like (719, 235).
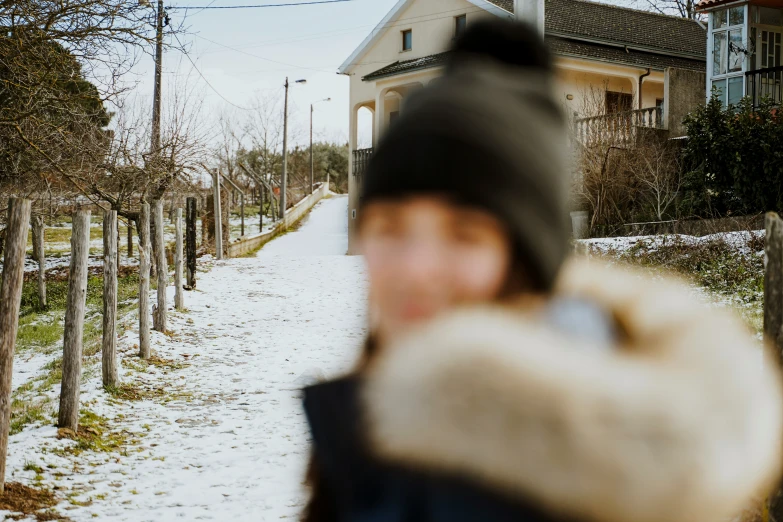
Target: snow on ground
(229, 440)
(620, 244)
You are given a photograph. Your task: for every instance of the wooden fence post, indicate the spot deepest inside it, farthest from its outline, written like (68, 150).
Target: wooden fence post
(109, 346)
(40, 256)
(242, 211)
(10, 300)
(179, 301)
(261, 209)
(773, 313)
(145, 250)
(773, 283)
(159, 318)
(130, 238)
(190, 243)
(74, 322)
(218, 216)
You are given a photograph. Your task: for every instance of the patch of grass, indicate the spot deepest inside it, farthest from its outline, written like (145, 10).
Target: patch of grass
(39, 331)
(129, 392)
(250, 210)
(94, 435)
(31, 466)
(26, 412)
(734, 273)
(57, 293)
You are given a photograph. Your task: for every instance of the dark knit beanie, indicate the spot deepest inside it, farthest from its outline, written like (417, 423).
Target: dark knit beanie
(488, 134)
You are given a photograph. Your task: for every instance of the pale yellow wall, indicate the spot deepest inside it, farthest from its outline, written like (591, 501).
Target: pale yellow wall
(587, 90)
(585, 81)
(432, 23)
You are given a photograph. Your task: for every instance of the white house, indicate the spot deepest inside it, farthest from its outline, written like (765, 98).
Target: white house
(609, 60)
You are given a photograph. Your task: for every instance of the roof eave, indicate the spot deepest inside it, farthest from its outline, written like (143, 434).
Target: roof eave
(631, 47)
(371, 77)
(612, 62)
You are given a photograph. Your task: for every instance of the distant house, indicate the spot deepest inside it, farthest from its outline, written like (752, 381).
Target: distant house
(614, 65)
(744, 49)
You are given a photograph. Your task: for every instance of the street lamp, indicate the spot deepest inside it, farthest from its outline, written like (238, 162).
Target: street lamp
(284, 180)
(312, 180)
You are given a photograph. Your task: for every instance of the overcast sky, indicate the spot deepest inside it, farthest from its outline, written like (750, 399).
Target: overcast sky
(244, 52)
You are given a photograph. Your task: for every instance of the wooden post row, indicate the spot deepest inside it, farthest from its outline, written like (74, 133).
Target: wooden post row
(179, 301)
(190, 242)
(218, 216)
(159, 319)
(109, 345)
(10, 300)
(130, 238)
(145, 251)
(40, 256)
(74, 321)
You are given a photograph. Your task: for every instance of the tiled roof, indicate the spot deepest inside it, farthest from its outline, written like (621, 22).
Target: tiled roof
(434, 60)
(592, 51)
(508, 5)
(622, 26)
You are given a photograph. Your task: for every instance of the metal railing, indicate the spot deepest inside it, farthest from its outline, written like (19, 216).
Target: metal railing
(618, 127)
(361, 158)
(765, 83)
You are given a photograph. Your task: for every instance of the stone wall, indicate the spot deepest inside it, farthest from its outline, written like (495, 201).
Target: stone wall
(247, 244)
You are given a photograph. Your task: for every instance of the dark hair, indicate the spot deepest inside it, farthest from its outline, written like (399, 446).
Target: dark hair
(503, 42)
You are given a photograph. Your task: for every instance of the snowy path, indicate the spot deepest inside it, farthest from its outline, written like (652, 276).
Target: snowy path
(231, 443)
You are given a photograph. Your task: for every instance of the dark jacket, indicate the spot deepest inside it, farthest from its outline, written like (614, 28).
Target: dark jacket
(363, 489)
(490, 414)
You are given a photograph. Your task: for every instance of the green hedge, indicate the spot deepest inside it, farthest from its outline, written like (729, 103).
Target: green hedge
(733, 159)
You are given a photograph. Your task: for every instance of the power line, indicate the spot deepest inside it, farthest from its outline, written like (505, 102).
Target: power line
(339, 32)
(400, 22)
(261, 57)
(258, 6)
(187, 55)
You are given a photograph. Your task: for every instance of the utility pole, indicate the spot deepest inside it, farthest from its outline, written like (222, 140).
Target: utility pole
(284, 181)
(158, 72)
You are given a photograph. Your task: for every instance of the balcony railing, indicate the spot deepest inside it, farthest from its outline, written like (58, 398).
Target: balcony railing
(361, 158)
(765, 84)
(618, 127)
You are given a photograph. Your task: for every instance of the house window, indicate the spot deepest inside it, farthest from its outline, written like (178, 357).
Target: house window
(768, 16)
(461, 23)
(407, 40)
(618, 102)
(729, 48)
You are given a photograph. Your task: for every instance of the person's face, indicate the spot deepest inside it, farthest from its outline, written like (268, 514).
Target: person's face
(425, 255)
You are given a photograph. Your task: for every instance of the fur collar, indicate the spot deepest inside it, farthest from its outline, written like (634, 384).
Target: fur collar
(681, 423)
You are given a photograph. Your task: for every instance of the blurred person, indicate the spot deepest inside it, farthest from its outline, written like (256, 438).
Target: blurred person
(502, 381)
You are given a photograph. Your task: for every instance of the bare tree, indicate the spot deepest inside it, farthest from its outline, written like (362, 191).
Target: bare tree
(624, 173)
(656, 167)
(682, 8)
